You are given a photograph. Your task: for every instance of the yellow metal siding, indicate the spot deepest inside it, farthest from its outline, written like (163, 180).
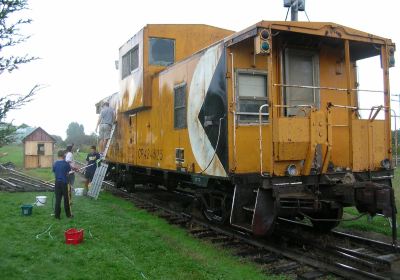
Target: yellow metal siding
(369, 144)
(147, 137)
(247, 135)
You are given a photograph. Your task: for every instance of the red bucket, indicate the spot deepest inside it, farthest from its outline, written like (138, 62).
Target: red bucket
(73, 236)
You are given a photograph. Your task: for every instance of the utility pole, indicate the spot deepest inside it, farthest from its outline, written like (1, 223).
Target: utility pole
(295, 6)
(294, 11)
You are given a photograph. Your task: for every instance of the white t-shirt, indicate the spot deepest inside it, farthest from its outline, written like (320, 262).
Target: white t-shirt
(69, 157)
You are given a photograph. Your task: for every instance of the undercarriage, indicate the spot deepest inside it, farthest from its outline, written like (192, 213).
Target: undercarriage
(254, 204)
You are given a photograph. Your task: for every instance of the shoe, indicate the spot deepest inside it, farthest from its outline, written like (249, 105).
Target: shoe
(70, 217)
(58, 218)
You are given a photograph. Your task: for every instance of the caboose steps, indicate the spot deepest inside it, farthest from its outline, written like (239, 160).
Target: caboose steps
(253, 210)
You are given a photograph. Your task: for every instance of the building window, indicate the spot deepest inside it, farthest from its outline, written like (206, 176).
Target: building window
(180, 106)
(252, 94)
(161, 51)
(40, 149)
(130, 61)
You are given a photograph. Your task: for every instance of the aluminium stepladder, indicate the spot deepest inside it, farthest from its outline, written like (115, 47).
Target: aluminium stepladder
(101, 171)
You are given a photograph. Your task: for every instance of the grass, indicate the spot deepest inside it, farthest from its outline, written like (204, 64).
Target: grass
(121, 242)
(13, 154)
(42, 173)
(378, 224)
(80, 156)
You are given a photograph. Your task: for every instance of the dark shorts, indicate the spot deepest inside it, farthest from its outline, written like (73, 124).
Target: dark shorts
(71, 179)
(89, 174)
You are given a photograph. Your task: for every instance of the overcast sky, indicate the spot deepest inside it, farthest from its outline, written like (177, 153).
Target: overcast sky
(78, 42)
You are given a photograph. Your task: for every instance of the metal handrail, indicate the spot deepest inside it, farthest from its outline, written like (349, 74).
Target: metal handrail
(300, 106)
(250, 114)
(327, 88)
(295, 106)
(330, 105)
(378, 109)
(395, 136)
(260, 130)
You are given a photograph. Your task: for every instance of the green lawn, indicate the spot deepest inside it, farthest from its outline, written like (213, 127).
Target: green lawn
(13, 154)
(378, 224)
(81, 157)
(121, 242)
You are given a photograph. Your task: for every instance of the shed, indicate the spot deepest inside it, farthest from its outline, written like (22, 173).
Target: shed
(38, 149)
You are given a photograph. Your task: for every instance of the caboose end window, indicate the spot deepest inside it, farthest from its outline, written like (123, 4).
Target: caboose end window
(252, 94)
(161, 51)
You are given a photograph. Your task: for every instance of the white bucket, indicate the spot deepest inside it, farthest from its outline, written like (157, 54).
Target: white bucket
(41, 200)
(78, 191)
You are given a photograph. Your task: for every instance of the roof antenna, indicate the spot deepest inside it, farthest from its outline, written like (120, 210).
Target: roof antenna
(295, 6)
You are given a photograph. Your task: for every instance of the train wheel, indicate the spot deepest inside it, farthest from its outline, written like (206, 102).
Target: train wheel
(171, 186)
(216, 207)
(327, 213)
(119, 182)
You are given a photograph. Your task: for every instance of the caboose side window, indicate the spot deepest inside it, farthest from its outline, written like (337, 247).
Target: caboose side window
(180, 106)
(252, 94)
(301, 69)
(161, 51)
(130, 61)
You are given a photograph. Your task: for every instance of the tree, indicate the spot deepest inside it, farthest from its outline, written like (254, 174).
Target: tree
(75, 134)
(10, 36)
(91, 139)
(59, 140)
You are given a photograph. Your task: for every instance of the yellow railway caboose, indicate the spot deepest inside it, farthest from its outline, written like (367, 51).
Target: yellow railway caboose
(260, 124)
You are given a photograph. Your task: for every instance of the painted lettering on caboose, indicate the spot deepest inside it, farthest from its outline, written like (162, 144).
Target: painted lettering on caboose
(147, 153)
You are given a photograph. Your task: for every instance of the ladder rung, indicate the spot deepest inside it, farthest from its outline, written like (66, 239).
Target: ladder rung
(100, 172)
(248, 208)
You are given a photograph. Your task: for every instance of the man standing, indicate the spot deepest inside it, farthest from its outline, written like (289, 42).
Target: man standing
(91, 160)
(69, 158)
(61, 169)
(106, 119)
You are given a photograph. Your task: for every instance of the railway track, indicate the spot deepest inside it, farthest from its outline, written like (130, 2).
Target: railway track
(294, 249)
(12, 180)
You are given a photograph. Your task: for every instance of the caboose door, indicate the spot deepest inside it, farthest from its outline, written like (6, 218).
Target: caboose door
(132, 141)
(302, 75)
(300, 97)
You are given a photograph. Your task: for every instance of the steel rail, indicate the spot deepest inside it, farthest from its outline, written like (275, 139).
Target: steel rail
(337, 267)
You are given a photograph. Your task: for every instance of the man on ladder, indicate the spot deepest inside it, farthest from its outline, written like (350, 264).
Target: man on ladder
(107, 127)
(105, 123)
